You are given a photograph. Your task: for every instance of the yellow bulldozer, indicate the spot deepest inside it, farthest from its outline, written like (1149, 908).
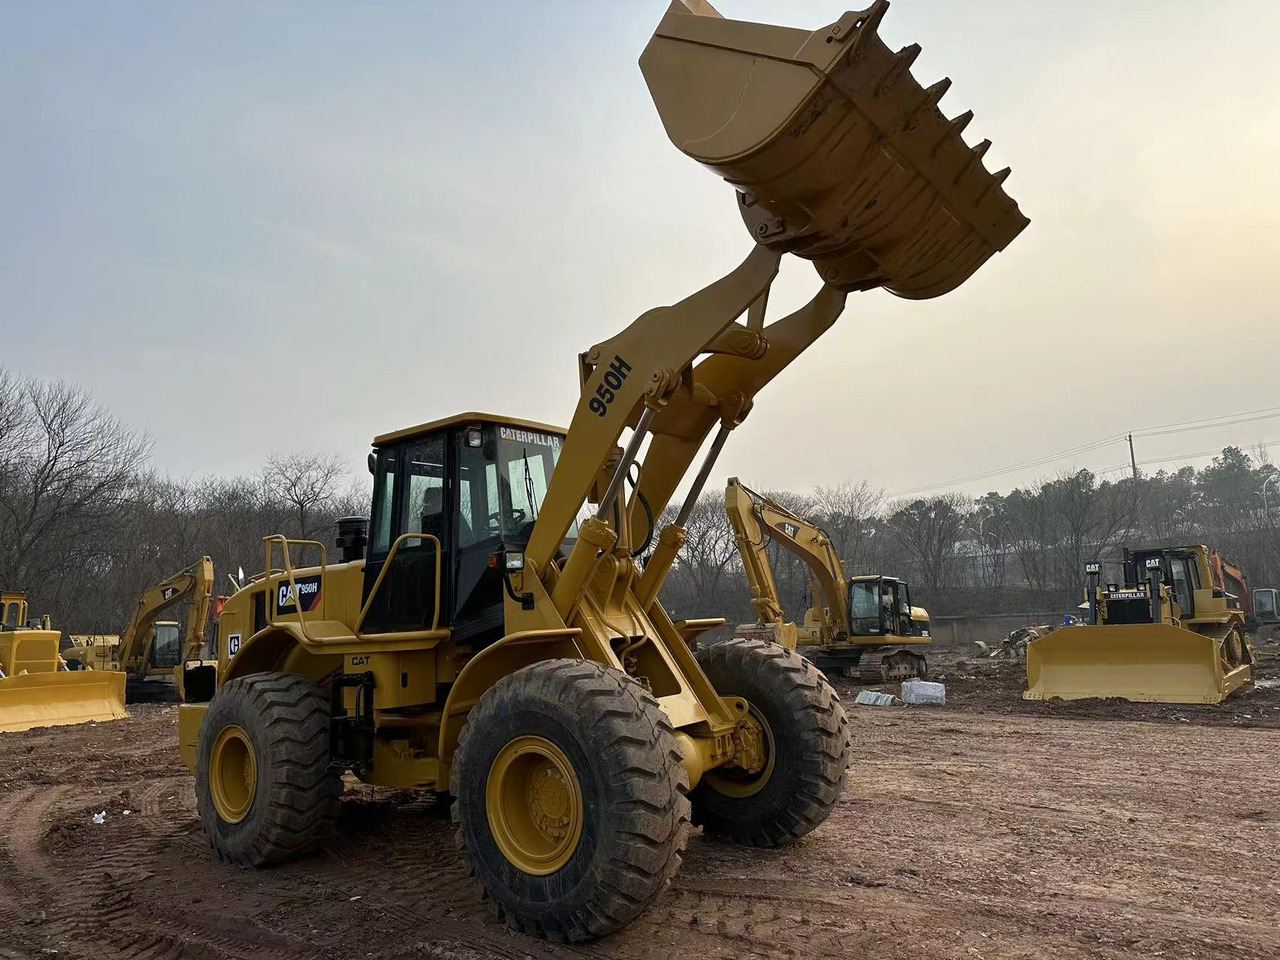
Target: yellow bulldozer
(36, 688)
(1168, 634)
(852, 618)
(156, 655)
(478, 637)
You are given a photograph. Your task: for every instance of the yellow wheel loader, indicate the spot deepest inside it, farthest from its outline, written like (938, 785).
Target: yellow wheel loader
(36, 688)
(1167, 634)
(480, 637)
(158, 656)
(854, 623)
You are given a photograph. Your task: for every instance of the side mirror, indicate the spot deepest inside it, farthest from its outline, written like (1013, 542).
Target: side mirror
(373, 463)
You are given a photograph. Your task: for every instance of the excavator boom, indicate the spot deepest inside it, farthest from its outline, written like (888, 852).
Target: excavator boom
(756, 518)
(196, 583)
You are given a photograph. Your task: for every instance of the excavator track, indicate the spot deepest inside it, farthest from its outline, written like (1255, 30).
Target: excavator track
(893, 667)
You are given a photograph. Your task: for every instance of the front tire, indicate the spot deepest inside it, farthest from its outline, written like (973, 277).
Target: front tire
(264, 790)
(570, 799)
(807, 737)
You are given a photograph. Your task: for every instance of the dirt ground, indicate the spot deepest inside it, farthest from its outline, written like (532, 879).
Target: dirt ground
(989, 828)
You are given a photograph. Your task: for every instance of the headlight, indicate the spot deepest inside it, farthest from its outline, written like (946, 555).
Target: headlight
(513, 562)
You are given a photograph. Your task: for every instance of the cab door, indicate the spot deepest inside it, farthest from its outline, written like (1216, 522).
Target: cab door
(411, 495)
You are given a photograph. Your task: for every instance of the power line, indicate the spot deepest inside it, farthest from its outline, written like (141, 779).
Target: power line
(1160, 430)
(1225, 416)
(1015, 468)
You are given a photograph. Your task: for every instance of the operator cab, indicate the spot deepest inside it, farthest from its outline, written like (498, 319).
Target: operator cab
(879, 606)
(472, 485)
(1178, 572)
(13, 611)
(166, 645)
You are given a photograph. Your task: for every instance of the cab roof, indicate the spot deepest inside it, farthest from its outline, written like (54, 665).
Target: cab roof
(421, 429)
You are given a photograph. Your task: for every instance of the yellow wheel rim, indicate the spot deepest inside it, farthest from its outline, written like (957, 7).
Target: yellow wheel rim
(736, 782)
(535, 805)
(233, 774)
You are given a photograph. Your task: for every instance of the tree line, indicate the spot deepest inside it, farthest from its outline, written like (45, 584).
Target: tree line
(1018, 552)
(87, 523)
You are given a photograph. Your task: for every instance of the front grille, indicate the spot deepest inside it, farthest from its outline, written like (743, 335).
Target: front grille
(1128, 611)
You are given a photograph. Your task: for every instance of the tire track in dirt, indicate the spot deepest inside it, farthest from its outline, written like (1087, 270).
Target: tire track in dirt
(91, 906)
(401, 862)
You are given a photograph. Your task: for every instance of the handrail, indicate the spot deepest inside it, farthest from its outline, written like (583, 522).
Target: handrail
(285, 543)
(386, 565)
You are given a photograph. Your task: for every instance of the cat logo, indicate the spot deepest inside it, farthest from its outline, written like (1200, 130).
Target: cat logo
(233, 644)
(308, 590)
(790, 529)
(168, 592)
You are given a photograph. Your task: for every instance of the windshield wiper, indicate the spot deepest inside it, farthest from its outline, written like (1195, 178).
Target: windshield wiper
(528, 484)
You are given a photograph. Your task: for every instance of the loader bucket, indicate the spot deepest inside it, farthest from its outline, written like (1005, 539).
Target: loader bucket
(837, 153)
(66, 696)
(1146, 662)
(35, 693)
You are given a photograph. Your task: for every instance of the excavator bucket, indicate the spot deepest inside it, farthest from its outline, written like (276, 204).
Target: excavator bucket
(35, 693)
(837, 153)
(1147, 662)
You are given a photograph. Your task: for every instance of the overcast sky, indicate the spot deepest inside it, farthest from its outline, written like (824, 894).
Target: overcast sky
(266, 227)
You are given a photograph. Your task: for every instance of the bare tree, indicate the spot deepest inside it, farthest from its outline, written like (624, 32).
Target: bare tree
(846, 511)
(306, 484)
(928, 530)
(69, 470)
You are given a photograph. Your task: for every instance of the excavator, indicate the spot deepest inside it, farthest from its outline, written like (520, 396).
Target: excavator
(1170, 633)
(851, 617)
(36, 688)
(157, 655)
(491, 633)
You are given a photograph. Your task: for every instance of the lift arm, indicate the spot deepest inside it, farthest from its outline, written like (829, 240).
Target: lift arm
(135, 642)
(755, 517)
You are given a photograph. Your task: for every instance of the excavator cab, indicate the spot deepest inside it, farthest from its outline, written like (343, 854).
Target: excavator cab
(460, 495)
(166, 645)
(1266, 605)
(880, 606)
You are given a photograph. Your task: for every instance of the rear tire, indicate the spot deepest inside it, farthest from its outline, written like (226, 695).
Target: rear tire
(570, 799)
(264, 790)
(809, 740)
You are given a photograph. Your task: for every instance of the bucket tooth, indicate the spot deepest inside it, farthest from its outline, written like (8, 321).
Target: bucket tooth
(997, 178)
(974, 161)
(953, 130)
(930, 102)
(902, 64)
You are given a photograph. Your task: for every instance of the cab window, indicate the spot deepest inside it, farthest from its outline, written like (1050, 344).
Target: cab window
(384, 480)
(423, 501)
(1181, 587)
(864, 607)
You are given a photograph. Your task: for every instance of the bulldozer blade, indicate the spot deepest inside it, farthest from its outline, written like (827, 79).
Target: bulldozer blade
(60, 697)
(1145, 662)
(837, 153)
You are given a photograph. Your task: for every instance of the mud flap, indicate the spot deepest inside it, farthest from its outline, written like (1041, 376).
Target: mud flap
(60, 697)
(1147, 662)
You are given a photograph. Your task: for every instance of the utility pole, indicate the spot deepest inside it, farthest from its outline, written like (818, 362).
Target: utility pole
(1133, 461)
